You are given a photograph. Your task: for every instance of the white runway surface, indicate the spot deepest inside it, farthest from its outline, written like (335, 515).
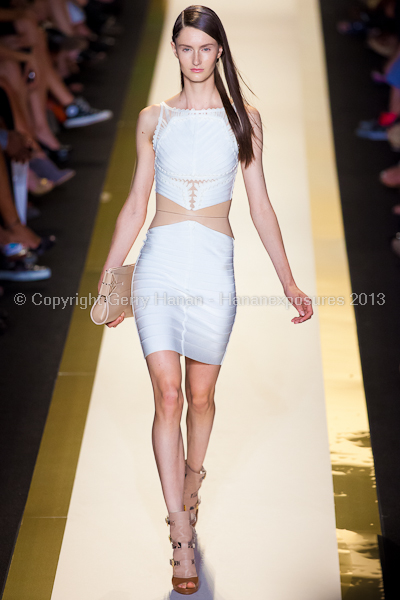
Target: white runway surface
(267, 523)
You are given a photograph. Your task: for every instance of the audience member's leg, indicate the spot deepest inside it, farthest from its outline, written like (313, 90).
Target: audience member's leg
(40, 49)
(20, 233)
(60, 16)
(12, 81)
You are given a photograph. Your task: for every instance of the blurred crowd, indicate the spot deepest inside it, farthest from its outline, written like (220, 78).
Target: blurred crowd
(378, 23)
(46, 48)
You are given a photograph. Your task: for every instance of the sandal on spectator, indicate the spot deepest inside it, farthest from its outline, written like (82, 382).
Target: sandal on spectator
(46, 168)
(38, 186)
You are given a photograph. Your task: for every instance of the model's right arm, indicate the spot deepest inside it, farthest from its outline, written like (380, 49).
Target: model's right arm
(133, 213)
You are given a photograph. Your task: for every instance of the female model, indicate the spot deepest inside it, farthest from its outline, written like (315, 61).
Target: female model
(183, 285)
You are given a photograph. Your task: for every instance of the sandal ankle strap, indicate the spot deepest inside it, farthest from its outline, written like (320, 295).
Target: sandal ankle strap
(194, 507)
(201, 472)
(178, 545)
(173, 562)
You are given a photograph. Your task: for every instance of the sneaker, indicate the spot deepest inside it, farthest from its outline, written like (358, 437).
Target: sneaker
(23, 270)
(376, 129)
(372, 130)
(80, 114)
(15, 249)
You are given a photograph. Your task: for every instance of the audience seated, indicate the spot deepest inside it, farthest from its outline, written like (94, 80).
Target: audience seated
(378, 22)
(46, 46)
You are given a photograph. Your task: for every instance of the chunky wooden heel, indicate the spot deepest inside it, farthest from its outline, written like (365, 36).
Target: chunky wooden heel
(183, 562)
(191, 500)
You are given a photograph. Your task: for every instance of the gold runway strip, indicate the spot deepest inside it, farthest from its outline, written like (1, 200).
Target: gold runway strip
(36, 553)
(357, 515)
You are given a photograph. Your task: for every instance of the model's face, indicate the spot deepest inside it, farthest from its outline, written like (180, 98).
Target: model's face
(197, 53)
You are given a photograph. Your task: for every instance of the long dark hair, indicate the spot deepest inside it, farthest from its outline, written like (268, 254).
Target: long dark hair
(207, 20)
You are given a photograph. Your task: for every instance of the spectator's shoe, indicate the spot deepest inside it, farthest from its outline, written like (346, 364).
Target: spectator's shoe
(23, 269)
(58, 156)
(80, 114)
(376, 129)
(45, 168)
(46, 243)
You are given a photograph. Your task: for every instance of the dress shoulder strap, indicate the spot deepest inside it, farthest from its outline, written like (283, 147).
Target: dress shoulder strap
(160, 124)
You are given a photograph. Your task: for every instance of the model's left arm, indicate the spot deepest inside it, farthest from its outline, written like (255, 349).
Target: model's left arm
(266, 223)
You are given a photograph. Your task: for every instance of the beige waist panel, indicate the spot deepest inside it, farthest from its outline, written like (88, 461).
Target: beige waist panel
(215, 217)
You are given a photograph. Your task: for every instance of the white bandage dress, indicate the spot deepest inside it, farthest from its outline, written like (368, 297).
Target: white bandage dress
(183, 285)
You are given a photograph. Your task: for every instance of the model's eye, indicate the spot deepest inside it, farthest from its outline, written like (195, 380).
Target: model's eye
(184, 50)
(206, 49)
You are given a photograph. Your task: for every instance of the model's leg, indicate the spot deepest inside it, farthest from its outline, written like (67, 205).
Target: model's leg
(166, 377)
(200, 385)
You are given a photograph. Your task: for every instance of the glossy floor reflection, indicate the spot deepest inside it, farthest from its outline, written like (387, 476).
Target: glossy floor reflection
(357, 516)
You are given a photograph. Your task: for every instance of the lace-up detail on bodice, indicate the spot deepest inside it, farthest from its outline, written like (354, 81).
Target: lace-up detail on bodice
(196, 156)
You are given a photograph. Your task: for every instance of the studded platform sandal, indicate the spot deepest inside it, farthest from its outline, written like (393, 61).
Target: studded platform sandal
(183, 562)
(191, 500)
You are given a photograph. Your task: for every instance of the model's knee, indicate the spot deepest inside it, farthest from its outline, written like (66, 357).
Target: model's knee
(201, 401)
(169, 403)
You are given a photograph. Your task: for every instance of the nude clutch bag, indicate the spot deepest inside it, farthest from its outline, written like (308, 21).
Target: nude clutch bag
(115, 295)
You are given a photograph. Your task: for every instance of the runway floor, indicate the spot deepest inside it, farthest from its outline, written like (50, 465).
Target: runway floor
(288, 446)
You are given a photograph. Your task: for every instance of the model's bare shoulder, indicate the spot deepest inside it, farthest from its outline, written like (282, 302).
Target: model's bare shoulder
(147, 120)
(254, 115)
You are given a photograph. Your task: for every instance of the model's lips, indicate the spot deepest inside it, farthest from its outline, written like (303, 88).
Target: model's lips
(197, 70)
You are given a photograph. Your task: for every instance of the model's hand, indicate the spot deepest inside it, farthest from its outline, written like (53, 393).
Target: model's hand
(301, 302)
(117, 321)
(122, 316)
